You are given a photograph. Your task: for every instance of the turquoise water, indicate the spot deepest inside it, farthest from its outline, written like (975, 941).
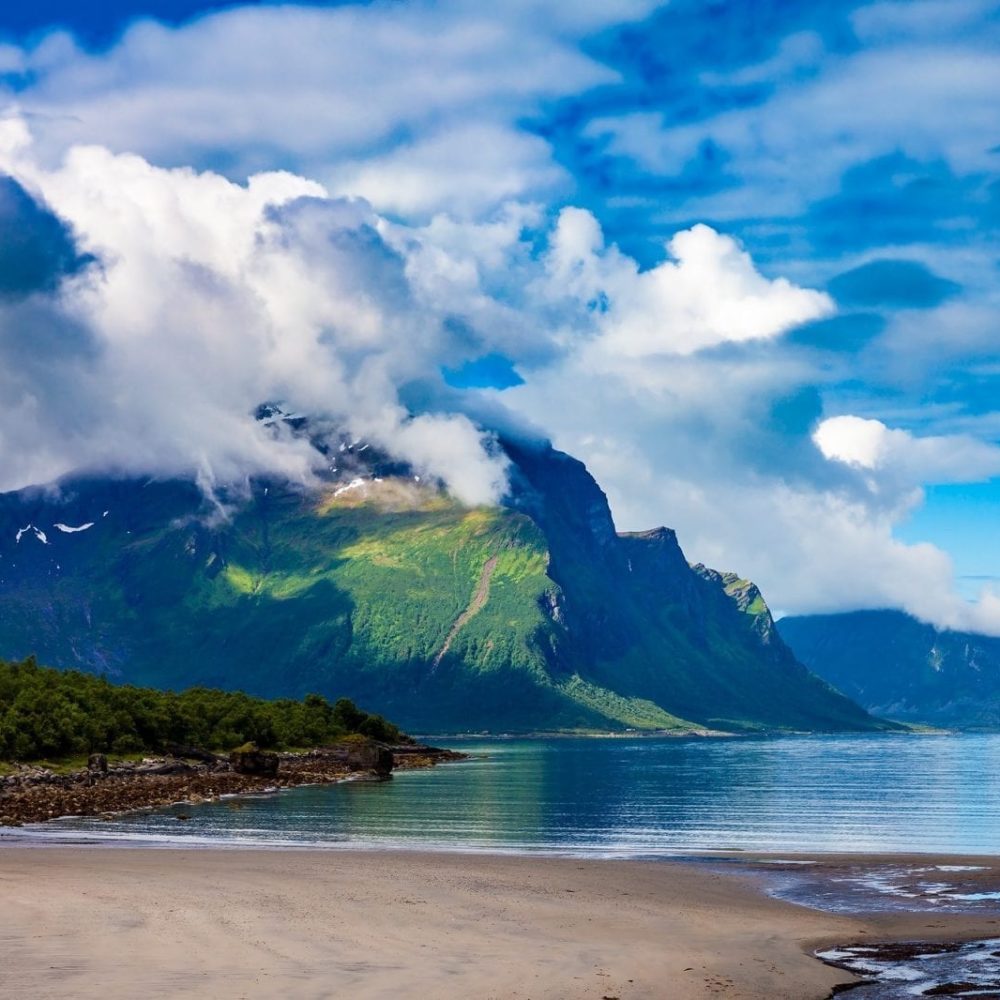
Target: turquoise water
(629, 797)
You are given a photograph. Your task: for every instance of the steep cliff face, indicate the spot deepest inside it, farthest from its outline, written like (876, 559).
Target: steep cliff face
(901, 668)
(532, 615)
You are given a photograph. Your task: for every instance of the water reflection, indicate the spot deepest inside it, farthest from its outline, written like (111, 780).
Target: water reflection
(635, 797)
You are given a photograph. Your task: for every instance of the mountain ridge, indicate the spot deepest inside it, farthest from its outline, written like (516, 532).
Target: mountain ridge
(902, 668)
(533, 615)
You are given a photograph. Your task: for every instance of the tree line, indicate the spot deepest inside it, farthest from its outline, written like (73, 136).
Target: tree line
(46, 713)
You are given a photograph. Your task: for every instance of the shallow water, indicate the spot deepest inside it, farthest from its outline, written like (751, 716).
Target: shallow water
(875, 886)
(900, 972)
(628, 797)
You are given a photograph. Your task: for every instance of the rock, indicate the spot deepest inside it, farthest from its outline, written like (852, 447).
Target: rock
(193, 753)
(254, 761)
(370, 756)
(97, 762)
(166, 767)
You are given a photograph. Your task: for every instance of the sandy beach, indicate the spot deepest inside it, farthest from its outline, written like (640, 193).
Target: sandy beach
(124, 922)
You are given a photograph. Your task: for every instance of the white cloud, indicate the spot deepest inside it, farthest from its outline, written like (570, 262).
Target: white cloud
(925, 19)
(211, 298)
(688, 437)
(795, 147)
(381, 95)
(871, 445)
(812, 546)
(708, 293)
(214, 296)
(462, 168)
(898, 462)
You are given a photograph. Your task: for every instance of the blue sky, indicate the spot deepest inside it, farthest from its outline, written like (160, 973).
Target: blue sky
(97, 25)
(529, 170)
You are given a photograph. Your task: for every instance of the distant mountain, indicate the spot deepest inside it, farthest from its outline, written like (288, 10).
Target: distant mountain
(378, 587)
(900, 668)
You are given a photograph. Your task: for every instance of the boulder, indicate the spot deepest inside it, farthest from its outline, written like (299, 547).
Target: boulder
(168, 766)
(97, 762)
(370, 756)
(193, 753)
(254, 761)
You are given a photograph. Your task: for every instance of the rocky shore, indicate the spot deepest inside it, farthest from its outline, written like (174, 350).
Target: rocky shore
(34, 794)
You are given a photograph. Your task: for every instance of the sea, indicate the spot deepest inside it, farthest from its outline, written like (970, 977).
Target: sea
(620, 797)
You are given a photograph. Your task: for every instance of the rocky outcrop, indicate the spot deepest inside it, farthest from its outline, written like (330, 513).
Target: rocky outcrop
(250, 760)
(370, 756)
(34, 794)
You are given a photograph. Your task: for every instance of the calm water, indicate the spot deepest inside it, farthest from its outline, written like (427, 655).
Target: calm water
(631, 798)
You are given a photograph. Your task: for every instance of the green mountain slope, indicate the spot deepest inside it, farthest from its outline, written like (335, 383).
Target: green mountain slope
(902, 668)
(534, 615)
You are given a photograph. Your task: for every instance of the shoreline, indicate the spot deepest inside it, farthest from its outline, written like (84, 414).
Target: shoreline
(35, 795)
(125, 921)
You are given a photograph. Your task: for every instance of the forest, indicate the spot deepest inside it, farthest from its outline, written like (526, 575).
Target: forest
(46, 713)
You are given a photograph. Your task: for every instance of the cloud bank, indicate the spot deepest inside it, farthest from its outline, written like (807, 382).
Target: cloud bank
(209, 298)
(747, 283)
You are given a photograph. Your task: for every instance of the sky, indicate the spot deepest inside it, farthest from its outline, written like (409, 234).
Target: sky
(739, 256)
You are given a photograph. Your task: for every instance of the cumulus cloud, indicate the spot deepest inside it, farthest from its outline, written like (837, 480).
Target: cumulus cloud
(211, 298)
(707, 293)
(871, 445)
(815, 539)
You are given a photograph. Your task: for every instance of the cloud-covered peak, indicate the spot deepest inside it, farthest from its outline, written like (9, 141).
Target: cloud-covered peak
(212, 297)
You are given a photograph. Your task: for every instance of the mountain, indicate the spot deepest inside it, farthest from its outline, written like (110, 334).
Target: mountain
(900, 668)
(531, 615)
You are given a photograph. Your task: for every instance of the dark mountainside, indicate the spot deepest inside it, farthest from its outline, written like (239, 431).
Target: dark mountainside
(900, 668)
(533, 615)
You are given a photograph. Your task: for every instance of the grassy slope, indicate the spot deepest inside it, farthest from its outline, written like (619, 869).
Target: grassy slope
(356, 596)
(333, 596)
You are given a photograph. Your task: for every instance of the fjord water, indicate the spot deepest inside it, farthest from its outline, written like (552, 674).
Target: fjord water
(630, 797)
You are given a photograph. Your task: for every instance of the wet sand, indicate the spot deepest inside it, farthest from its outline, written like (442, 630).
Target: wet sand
(131, 922)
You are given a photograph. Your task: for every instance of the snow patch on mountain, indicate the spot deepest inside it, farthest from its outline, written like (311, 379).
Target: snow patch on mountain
(39, 534)
(354, 484)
